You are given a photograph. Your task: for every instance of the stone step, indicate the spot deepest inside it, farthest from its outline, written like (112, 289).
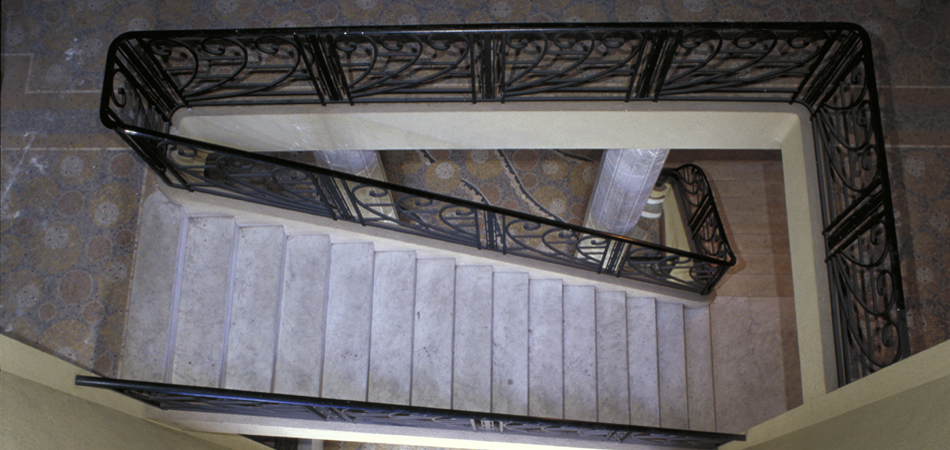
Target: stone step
(580, 353)
(154, 291)
(613, 390)
(699, 370)
(545, 349)
(671, 361)
(349, 316)
(205, 302)
(472, 355)
(390, 357)
(509, 343)
(298, 369)
(255, 309)
(433, 335)
(642, 358)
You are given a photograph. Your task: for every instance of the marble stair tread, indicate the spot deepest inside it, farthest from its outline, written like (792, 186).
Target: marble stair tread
(509, 343)
(433, 336)
(613, 394)
(255, 308)
(153, 291)
(580, 353)
(472, 354)
(642, 357)
(545, 348)
(205, 297)
(390, 357)
(671, 354)
(699, 370)
(299, 365)
(349, 314)
(261, 311)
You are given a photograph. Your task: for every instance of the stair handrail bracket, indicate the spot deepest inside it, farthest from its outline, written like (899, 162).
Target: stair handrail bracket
(827, 67)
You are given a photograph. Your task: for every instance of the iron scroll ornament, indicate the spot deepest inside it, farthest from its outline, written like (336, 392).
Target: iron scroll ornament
(225, 401)
(826, 67)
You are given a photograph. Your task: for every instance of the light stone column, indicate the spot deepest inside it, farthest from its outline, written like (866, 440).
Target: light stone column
(623, 186)
(364, 163)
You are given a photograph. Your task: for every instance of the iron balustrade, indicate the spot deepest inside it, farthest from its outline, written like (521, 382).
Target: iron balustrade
(274, 181)
(827, 67)
(225, 401)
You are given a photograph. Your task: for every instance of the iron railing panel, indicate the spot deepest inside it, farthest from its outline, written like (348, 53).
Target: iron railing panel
(213, 169)
(867, 300)
(224, 401)
(826, 67)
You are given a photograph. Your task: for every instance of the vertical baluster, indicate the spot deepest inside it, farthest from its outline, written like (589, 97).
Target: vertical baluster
(309, 63)
(471, 40)
(325, 198)
(490, 224)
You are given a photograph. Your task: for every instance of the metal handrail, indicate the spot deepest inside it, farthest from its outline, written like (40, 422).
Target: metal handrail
(827, 67)
(336, 195)
(228, 401)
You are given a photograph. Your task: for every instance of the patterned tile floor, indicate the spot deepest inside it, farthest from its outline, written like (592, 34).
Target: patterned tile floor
(70, 189)
(554, 184)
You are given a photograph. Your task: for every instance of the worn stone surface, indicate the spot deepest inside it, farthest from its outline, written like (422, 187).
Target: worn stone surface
(699, 370)
(349, 314)
(153, 291)
(671, 360)
(580, 353)
(205, 293)
(390, 357)
(642, 360)
(613, 391)
(299, 366)
(509, 344)
(472, 375)
(747, 345)
(252, 339)
(433, 337)
(545, 349)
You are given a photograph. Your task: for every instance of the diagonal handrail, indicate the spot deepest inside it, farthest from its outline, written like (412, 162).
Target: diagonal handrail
(826, 67)
(228, 401)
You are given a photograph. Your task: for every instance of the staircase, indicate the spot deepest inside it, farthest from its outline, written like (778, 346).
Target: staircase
(220, 303)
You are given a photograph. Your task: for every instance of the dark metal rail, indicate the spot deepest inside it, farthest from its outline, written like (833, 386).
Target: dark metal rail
(825, 66)
(224, 401)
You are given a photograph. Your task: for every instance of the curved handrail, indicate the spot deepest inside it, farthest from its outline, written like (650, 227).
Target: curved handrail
(826, 67)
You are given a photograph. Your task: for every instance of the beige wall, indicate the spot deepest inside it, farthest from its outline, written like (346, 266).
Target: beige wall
(906, 405)
(915, 419)
(41, 408)
(39, 417)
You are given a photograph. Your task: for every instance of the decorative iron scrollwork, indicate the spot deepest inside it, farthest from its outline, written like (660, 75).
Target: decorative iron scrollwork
(223, 401)
(867, 301)
(825, 67)
(382, 65)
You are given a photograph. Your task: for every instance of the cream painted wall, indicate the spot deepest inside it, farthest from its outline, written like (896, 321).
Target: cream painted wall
(916, 419)
(904, 406)
(39, 417)
(42, 408)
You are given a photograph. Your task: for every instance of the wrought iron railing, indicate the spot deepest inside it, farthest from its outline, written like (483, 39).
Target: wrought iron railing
(826, 67)
(867, 298)
(224, 401)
